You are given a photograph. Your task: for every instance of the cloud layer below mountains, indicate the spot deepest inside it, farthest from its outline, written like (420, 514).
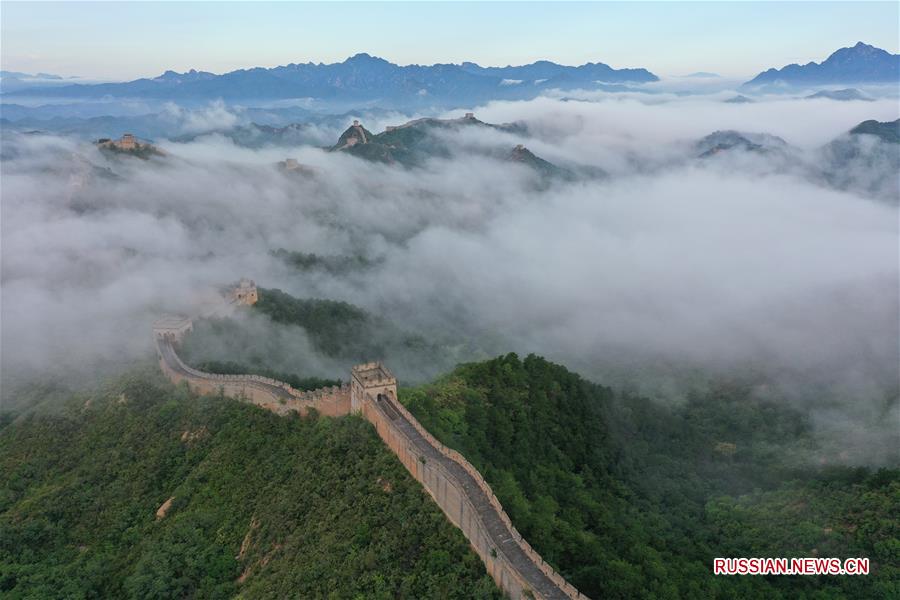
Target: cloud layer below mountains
(669, 267)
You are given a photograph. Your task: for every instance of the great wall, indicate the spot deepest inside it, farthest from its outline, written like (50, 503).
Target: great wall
(455, 485)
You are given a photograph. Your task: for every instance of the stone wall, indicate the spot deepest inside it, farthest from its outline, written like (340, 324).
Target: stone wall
(450, 495)
(511, 567)
(271, 394)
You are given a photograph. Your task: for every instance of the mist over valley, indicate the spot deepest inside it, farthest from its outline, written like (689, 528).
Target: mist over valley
(655, 318)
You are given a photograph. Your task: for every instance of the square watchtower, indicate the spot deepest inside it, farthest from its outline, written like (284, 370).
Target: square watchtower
(370, 379)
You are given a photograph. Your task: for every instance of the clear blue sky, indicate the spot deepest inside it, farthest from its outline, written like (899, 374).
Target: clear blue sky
(128, 40)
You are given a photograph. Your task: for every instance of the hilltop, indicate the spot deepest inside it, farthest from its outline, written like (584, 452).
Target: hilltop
(861, 63)
(410, 143)
(414, 142)
(547, 170)
(739, 99)
(129, 145)
(885, 131)
(865, 159)
(845, 95)
(722, 141)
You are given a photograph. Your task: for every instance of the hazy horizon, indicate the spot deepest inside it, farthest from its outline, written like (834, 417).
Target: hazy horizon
(102, 41)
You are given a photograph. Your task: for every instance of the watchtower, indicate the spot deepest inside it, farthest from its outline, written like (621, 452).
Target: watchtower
(127, 142)
(244, 292)
(370, 379)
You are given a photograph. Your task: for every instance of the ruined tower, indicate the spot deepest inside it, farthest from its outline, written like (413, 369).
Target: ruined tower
(244, 292)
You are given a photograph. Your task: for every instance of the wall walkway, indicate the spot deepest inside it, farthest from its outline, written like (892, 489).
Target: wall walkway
(470, 504)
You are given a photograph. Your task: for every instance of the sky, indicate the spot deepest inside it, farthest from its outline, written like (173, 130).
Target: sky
(128, 40)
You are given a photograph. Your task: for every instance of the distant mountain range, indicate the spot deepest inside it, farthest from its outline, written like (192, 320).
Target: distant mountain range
(362, 78)
(861, 63)
(18, 75)
(13, 81)
(365, 81)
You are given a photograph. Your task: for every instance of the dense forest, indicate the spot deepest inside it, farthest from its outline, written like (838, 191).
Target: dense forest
(261, 506)
(633, 499)
(627, 497)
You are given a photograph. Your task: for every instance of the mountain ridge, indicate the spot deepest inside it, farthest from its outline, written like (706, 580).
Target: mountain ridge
(413, 142)
(361, 77)
(861, 63)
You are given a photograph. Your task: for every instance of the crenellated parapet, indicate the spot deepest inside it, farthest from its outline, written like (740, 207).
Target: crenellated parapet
(274, 395)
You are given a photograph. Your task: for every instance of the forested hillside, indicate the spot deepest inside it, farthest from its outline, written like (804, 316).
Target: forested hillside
(627, 497)
(261, 506)
(631, 499)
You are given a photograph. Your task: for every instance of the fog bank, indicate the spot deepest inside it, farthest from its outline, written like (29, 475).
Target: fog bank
(670, 266)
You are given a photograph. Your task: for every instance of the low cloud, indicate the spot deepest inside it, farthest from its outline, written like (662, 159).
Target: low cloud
(669, 267)
(215, 117)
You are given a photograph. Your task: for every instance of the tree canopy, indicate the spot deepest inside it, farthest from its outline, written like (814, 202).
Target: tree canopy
(630, 498)
(262, 506)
